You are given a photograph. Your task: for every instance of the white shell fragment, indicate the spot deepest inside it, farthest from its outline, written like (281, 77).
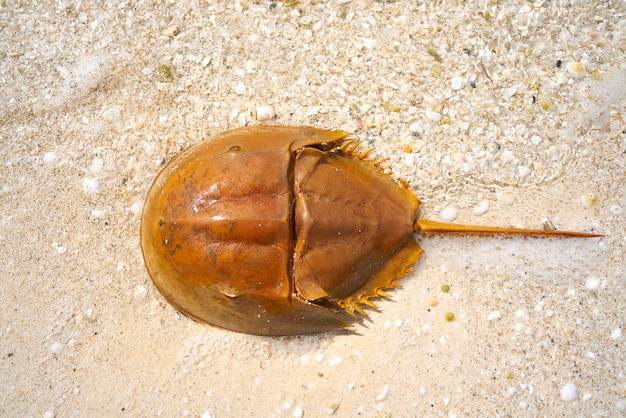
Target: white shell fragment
(569, 392)
(383, 395)
(481, 208)
(264, 113)
(592, 283)
(616, 210)
(494, 315)
(171, 31)
(49, 157)
(297, 412)
(91, 185)
(57, 347)
(456, 83)
(240, 88)
(449, 214)
(616, 334)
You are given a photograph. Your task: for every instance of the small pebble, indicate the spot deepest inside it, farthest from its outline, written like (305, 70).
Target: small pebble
(481, 208)
(319, 357)
(621, 406)
(450, 317)
(448, 214)
(287, 405)
(48, 414)
(57, 347)
(569, 392)
(206, 414)
(383, 395)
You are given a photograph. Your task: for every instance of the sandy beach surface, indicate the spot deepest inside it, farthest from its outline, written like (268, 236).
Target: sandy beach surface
(495, 112)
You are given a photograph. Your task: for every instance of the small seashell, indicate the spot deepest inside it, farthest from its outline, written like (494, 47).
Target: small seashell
(588, 199)
(448, 214)
(481, 208)
(171, 31)
(57, 347)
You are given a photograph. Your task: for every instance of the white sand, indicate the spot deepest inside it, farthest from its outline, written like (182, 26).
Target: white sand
(465, 99)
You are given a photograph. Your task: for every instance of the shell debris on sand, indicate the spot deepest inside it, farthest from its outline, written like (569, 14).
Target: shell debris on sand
(569, 392)
(448, 214)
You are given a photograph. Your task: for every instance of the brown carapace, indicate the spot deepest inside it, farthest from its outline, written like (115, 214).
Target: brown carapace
(282, 231)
